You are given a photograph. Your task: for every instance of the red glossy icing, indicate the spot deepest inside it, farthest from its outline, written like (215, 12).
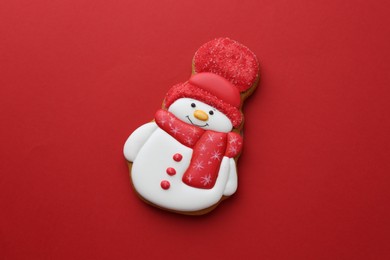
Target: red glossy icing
(234, 145)
(177, 157)
(171, 171)
(185, 133)
(206, 160)
(217, 86)
(229, 59)
(165, 184)
(191, 91)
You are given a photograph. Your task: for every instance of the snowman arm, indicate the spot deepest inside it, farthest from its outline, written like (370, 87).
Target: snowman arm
(231, 184)
(137, 139)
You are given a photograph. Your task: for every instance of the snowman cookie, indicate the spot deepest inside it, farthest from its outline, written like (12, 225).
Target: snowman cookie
(185, 159)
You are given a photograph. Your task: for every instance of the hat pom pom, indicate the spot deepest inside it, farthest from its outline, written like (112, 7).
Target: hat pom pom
(229, 59)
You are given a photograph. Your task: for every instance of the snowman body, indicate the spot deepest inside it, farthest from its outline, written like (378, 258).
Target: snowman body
(160, 160)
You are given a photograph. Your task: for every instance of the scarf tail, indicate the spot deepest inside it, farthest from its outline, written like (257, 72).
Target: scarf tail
(206, 160)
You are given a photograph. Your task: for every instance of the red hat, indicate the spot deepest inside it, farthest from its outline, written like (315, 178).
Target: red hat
(223, 69)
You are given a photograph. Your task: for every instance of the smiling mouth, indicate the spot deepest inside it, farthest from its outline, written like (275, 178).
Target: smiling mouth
(196, 124)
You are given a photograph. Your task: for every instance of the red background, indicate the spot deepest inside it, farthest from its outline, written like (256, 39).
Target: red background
(77, 77)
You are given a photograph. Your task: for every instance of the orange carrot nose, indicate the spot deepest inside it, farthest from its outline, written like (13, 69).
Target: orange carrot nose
(201, 115)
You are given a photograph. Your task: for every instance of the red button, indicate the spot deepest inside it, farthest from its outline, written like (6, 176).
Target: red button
(165, 185)
(171, 171)
(177, 157)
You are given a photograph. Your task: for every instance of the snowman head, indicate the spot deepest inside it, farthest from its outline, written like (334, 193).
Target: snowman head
(200, 114)
(208, 101)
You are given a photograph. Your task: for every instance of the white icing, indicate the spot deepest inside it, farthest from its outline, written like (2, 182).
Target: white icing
(137, 139)
(231, 185)
(149, 169)
(218, 121)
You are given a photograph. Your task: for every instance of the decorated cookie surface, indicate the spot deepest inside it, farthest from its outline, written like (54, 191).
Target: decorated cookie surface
(185, 159)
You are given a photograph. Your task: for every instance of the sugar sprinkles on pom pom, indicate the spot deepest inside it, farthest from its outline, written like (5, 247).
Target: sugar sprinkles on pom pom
(229, 59)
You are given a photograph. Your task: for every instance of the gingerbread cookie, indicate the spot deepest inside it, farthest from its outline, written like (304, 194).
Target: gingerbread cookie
(185, 159)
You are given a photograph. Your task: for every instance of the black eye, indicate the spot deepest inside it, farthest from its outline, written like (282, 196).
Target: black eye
(211, 112)
(193, 105)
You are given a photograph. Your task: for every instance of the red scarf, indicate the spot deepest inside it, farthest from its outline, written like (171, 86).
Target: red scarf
(209, 147)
